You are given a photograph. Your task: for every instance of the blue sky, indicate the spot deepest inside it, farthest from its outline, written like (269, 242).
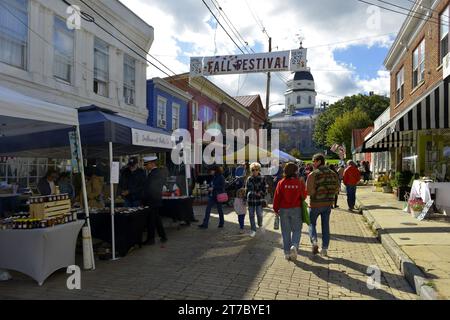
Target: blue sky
(367, 61)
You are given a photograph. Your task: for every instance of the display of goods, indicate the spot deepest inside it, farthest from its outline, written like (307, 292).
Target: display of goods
(49, 206)
(26, 223)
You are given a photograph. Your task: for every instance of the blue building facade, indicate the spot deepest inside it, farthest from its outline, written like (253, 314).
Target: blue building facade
(167, 106)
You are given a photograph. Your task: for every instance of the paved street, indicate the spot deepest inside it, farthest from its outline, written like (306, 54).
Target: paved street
(222, 264)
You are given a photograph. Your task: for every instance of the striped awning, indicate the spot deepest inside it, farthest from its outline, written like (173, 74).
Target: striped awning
(431, 112)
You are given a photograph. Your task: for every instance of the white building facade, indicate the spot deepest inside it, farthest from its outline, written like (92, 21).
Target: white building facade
(41, 57)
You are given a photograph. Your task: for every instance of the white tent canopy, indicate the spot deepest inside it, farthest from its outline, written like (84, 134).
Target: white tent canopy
(22, 115)
(14, 105)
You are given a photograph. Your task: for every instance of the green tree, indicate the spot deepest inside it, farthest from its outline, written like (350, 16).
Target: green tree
(341, 130)
(284, 138)
(373, 106)
(295, 153)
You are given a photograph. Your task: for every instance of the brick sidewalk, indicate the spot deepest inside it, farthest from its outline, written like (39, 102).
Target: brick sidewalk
(222, 264)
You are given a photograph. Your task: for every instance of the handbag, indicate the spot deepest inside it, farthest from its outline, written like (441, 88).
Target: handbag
(305, 213)
(222, 197)
(276, 223)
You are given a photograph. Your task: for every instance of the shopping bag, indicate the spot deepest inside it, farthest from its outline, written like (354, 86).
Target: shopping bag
(305, 213)
(276, 224)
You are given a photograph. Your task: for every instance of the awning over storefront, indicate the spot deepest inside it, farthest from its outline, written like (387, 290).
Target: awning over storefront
(431, 112)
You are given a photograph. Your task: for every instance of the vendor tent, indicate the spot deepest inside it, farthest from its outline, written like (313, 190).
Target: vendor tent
(98, 127)
(24, 116)
(283, 156)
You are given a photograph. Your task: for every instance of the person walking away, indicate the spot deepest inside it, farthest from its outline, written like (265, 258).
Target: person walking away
(352, 176)
(131, 184)
(322, 186)
(240, 208)
(256, 192)
(217, 186)
(152, 197)
(287, 204)
(333, 168)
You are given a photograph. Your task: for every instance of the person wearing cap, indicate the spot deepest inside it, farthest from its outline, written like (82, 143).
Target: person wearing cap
(131, 184)
(152, 197)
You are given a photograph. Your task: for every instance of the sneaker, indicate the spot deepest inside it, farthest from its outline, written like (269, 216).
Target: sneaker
(287, 257)
(241, 231)
(220, 226)
(324, 253)
(202, 226)
(293, 253)
(262, 229)
(315, 249)
(252, 234)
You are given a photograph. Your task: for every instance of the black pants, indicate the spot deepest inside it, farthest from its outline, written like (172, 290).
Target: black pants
(154, 223)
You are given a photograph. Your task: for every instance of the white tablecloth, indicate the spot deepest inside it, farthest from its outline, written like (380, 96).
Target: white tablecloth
(424, 190)
(39, 252)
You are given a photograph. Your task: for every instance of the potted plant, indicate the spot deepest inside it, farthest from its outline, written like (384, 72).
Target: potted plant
(416, 206)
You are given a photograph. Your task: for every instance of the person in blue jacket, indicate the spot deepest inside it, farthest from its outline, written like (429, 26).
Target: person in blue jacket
(217, 186)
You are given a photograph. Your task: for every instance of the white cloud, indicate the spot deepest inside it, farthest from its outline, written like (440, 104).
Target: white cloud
(321, 22)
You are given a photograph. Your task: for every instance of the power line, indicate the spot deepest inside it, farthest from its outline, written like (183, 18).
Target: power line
(395, 11)
(137, 53)
(434, 10)
(111, 24)
(233, 29)
(221, 25)
(257, 20)
(42, 38)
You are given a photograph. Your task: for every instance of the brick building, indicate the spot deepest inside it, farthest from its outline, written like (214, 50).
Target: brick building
(417, 134)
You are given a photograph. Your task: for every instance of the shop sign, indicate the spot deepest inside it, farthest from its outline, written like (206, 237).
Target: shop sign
(151, 139)
(293, 60)
(425, 210)
(446, 64)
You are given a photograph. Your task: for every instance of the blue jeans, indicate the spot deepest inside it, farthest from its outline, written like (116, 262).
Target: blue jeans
(324, 214)
(211, 203)
(259, 213)
(291, 228)
(241, 219)
(132, 203)
(351, 196)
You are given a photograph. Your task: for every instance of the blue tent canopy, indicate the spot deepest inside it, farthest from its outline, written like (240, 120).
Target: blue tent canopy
(98, 127)
(284, 157)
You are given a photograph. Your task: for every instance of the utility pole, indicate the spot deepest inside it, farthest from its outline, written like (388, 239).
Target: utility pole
(269, 76)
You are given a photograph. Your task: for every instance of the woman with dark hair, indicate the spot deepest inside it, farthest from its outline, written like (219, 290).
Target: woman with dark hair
(217, 186)
(287, 203)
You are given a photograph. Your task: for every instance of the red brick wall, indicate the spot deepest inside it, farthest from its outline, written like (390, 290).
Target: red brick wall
(433, 69)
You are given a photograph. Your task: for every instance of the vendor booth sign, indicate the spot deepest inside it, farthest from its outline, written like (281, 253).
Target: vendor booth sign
(294, 60)
(151, 139)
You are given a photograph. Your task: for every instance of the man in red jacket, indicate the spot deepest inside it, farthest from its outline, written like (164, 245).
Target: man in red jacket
(352, 176)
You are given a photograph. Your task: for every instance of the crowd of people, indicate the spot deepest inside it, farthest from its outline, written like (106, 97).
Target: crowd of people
(293, 185)
(289, 188)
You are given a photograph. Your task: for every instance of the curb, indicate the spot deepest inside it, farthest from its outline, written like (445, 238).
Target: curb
(412, 273)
